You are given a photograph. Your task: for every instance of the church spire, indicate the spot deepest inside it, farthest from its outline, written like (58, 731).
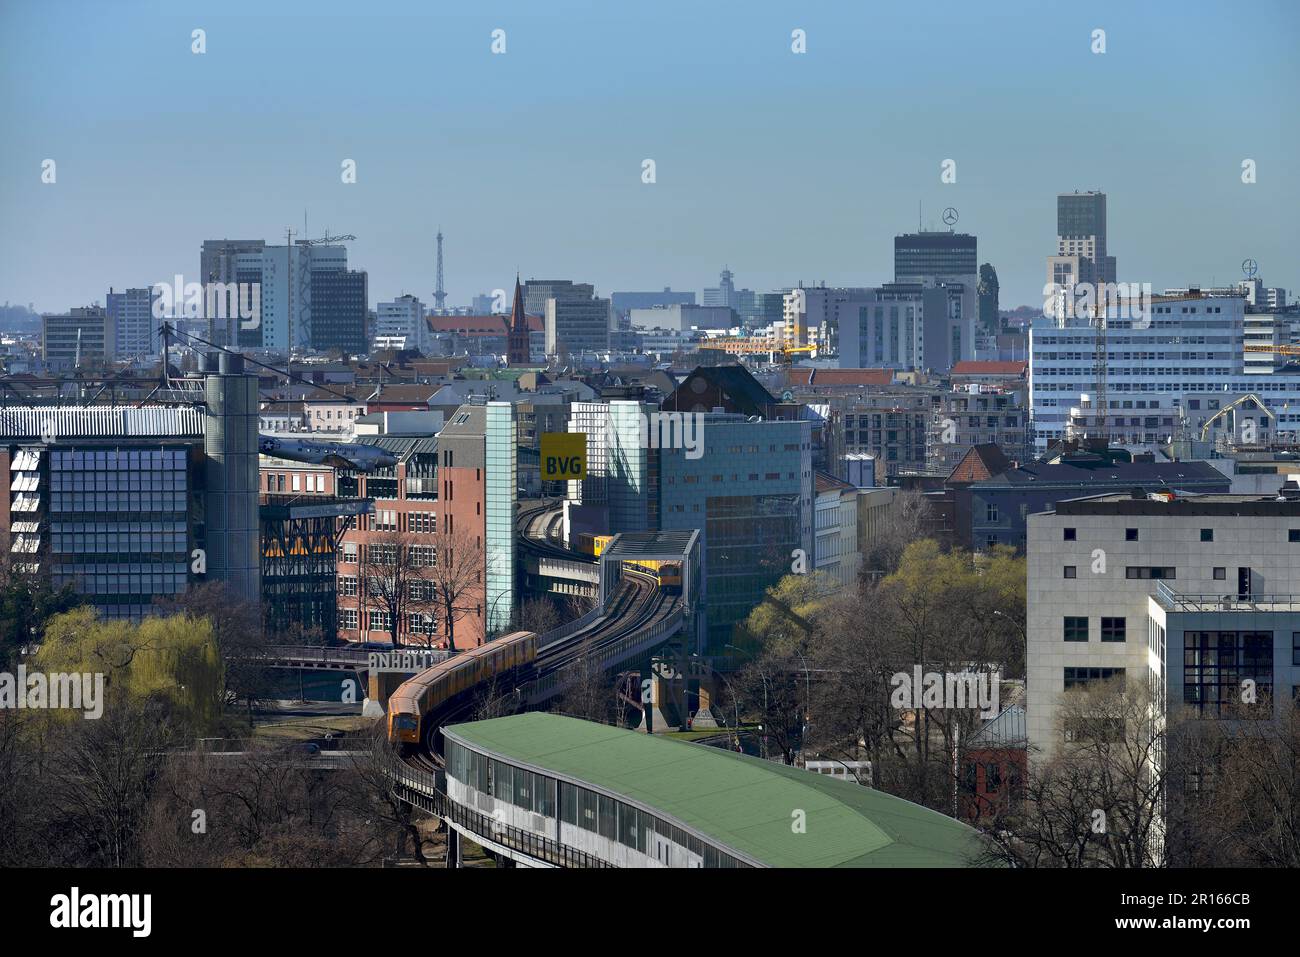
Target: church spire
(517, 320)
(517, 346)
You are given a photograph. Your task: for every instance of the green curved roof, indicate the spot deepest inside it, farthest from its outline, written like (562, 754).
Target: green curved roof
(741, 802)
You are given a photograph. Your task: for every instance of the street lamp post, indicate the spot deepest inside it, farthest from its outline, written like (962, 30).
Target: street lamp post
(762, 739)
(807, 698)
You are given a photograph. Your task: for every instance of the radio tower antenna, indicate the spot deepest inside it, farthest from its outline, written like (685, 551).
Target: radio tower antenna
(439, 294)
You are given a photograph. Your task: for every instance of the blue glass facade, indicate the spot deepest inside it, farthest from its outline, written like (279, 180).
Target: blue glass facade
(750, 495)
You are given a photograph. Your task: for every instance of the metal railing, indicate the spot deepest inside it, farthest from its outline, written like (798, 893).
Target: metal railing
(333, 654)
(1176, 601)
(564, 631)
(322, 654)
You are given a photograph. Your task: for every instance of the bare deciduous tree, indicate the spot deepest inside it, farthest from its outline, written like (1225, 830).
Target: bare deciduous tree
(1098, 801)
(590, 694)
(1235, 789)
(906, 520)
(458, 579)
(397, 576)
(538, 615)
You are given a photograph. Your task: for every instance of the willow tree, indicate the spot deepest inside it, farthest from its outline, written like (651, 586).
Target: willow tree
(170, 666)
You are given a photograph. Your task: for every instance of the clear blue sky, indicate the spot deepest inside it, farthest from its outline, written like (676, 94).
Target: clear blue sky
(784, 166)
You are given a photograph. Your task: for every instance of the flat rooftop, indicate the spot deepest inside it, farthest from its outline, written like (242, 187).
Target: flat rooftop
(735, 801)
(672, 543)
(1221, 504)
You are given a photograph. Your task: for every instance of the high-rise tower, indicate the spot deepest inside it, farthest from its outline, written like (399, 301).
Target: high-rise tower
(1080, 241)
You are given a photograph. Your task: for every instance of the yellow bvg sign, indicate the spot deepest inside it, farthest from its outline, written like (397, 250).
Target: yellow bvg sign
(564, 456)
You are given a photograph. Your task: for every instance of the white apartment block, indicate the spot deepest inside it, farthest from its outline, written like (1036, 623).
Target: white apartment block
(133, 322)
(1196, 594)
(835, 542)
(895, 326)
(285, 276)
(1189, 344)
(402, 319)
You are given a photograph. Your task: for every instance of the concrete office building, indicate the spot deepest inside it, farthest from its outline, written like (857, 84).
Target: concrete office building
(219, 262)
(134, 325)
(920, 257)
(751, 495)
(403, 318)
(625, 302)
(310, 300)
(576, 326)
(82, 334)
(681, 318)
(576, 321)
(902, 326)
(1193, 594)
(723, 294)
(1187, 344)
(114, 500)
(836, 542)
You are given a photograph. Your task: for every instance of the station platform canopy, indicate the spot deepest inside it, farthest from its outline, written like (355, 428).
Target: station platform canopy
(743, 805)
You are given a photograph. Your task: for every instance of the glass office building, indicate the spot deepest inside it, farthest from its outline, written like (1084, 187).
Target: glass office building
(501, 486)
(119, 525)
(751, 495)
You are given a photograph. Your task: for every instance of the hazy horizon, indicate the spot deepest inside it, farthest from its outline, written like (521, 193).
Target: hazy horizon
(785, 167)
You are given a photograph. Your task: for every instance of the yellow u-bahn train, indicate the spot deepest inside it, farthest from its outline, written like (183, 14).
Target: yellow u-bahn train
(417, 698)
(668, 573)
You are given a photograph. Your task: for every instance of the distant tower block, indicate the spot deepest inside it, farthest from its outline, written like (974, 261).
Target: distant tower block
(439, 294)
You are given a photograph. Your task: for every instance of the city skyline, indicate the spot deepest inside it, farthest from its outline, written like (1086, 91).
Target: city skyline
(722, 105)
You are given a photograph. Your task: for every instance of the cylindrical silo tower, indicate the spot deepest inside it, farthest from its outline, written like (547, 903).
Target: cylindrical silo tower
(230, 445)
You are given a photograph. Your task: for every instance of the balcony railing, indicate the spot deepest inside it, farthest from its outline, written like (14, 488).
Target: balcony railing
(1174, 601)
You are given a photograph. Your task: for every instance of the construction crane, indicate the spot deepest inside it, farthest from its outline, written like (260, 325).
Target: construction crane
(1279, 350)
(327, 240)
(787, 353)
(1245, 403)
